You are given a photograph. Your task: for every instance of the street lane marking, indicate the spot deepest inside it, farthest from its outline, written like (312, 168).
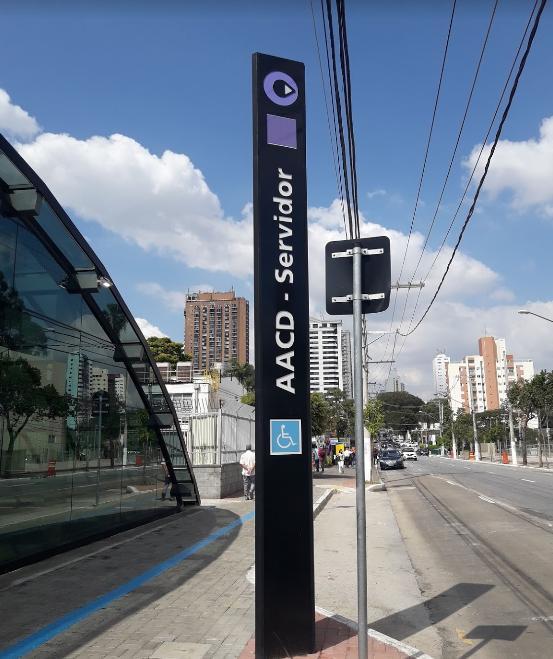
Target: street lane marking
(480, 496)
(527, 480)
(465, 467)
(50, 631)
(451, 482)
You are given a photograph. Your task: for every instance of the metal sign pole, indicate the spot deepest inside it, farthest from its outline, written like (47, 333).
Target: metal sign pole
(360, 459)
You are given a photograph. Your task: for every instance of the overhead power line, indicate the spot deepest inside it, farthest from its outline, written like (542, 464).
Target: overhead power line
(469, 181)
(488, 162)
(424, 163)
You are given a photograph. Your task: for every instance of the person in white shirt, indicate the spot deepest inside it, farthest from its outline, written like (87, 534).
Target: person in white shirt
(247, 462)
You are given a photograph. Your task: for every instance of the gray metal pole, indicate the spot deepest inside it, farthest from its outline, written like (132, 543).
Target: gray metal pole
(100, 402)
(360, 457)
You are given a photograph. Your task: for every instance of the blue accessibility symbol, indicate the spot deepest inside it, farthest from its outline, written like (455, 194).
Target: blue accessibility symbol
(285, 436)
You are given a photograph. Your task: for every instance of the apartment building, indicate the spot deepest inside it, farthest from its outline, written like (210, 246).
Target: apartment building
(480, 382)
(329, 356)
(439, 369)
(216, 329)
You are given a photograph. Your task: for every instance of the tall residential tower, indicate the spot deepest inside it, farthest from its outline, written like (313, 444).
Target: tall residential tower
(216, 329)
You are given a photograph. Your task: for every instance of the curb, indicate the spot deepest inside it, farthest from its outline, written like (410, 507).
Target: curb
(321, 502)
(547, 470)
(376, 487)
(408, 650)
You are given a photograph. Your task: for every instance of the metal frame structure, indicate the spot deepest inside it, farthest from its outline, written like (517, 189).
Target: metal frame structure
(67, 266)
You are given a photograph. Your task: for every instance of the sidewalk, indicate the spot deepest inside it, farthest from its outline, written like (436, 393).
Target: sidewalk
(179, 588)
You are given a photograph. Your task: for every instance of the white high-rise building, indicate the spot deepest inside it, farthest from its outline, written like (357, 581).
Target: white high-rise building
(439, 368)
(480, 382)
(329, 356)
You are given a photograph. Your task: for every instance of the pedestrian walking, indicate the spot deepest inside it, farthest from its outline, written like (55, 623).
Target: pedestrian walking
(315, 452)
(347, 457)
(166, 481)
(375, 456)
(340, 461)
(247, 462)
(322, 457)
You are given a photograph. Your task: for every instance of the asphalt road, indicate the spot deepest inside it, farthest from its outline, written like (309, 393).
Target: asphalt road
(480, 538)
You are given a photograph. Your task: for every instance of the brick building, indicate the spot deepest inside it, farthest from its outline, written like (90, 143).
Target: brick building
(216, 329)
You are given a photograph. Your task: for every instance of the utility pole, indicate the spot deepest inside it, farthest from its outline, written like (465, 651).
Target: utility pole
(475, 433)
(453, 442)
(100, 405)
(514, 458)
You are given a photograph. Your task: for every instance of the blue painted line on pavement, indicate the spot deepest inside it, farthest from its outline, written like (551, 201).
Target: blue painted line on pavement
(60, 625)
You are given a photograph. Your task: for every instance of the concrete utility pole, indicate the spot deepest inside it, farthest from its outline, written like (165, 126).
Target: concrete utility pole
(477, 454)
(453, 443)
(514, 458)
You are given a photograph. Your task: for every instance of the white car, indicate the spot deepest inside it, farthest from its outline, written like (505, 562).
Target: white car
(409, 454)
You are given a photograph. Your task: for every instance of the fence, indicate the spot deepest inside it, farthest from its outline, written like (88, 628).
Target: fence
(219, 438)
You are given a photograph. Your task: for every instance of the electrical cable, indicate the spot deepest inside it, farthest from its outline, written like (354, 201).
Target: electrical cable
(504, 116)
(423, 169)
(333, 147)
(339, 112)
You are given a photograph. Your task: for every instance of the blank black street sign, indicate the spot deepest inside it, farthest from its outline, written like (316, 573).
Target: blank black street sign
(376, 275)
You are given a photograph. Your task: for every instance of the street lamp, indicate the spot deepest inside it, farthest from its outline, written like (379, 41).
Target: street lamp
(531, 313)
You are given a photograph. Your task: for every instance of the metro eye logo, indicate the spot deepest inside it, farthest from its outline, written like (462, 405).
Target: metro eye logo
(280, 88)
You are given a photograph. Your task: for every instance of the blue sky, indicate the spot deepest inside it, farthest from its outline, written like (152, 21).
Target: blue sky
(177, 78)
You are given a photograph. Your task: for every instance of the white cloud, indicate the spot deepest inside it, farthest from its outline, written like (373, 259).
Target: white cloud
(15, 121)
(174, 300)
(162, 203)
(524, 169)
(148, 329)
(380, 192)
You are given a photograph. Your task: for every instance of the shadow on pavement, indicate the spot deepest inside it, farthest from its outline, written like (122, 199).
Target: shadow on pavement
(405, 623)
(29, 606)
(486, 633)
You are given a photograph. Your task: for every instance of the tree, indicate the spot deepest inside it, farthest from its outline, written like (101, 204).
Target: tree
(18, 331)
(341, 412)
(522, 398)
(401, 410)
(22, 397)
(165, 350)
(320, 413)
(248, 398)
(244, 373)
(541, 394)
(462, 427)
(373, 416)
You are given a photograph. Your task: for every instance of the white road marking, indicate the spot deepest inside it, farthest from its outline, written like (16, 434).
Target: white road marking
(451, 482)
(466, 467)
(527, 480)
(480, 496)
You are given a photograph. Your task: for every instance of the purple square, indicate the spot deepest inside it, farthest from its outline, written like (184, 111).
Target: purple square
(281, 131)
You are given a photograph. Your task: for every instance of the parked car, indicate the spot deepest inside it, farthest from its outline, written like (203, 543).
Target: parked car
(423, 450)
(390, 459)
(409, 454)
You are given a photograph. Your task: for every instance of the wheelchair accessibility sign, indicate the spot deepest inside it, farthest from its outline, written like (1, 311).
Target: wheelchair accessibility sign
(285, 436)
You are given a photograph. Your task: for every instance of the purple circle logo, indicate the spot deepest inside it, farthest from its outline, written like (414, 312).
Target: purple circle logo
(280, 88)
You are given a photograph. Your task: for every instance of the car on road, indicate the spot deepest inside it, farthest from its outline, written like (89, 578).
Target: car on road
(409, 454)
(423, 450)
(390, 459)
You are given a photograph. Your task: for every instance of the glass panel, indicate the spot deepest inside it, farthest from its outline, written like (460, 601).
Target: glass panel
(79, 452)
(63, 240)
(9, 172)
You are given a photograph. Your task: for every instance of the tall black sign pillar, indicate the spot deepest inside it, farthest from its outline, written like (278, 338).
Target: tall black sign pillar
(284, 583)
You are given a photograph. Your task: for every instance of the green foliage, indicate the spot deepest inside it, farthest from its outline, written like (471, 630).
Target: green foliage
(22, 397)
(165, 350)
(341, 413)
(320, 413)
(401, 410)
(18, 331)
(374, 416)
(248, 398)
(462, 426)
(244, 373)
